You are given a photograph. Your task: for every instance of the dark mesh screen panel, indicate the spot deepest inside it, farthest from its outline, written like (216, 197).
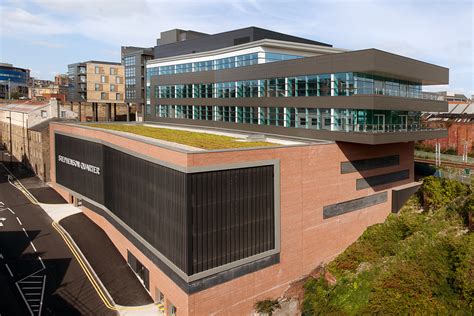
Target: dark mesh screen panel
(149, 198)
(198, 221)
(232, 215)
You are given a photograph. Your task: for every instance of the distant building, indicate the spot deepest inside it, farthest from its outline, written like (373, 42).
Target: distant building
(29, 122)
(61, 80)
(97, 83)
(13, 81)
(458, 120)
(453, 97)
(134, 61)
(42, 90)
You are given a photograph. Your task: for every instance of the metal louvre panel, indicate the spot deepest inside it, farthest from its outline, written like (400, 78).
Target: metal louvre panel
(232, 215)
(198, 221)
(151, 199)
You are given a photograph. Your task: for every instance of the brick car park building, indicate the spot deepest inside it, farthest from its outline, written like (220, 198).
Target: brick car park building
(214, 231)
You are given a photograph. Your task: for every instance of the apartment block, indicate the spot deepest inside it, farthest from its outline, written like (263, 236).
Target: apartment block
(97, 83)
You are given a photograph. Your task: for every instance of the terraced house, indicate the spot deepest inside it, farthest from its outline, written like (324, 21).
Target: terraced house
(330, 136)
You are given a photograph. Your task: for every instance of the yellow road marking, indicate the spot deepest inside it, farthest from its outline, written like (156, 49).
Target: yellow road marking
(84, 268)
(71, 247)
(90, 276)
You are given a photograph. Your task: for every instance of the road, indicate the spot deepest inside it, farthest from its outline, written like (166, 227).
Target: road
(38, 274)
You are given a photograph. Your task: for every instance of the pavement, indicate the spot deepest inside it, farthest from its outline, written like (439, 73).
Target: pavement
(107, 262)
(39, 274)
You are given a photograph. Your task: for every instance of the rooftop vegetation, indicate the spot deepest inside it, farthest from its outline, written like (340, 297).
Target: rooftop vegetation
(193, 139)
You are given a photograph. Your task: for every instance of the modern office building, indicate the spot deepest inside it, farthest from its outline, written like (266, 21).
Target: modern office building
(98, 88)
(214, 231)
(13, 81)
(367, 96)
(134, 61)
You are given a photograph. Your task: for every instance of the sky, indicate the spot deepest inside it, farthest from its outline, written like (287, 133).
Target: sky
(47, 35)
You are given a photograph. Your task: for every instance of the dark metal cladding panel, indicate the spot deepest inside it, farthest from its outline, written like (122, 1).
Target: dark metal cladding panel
(367, 164)
(233, 215)
(354, 205)
(150, 199)
(370, 61)
(400, 196)
(77, 179)
(380, 179)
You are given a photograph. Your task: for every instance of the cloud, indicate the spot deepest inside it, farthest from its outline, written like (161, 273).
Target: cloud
(48, 44)
(433, 31)
(19, 21)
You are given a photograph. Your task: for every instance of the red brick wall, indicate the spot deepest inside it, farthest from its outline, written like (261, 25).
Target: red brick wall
(309, 179)
(458, 133)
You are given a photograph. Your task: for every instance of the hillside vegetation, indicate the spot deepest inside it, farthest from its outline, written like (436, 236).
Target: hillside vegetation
(418, 262)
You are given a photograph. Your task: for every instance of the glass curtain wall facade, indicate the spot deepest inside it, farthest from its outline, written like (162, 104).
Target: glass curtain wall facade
(342, 120)
(219, 64)
(339, 84)
(130, 76)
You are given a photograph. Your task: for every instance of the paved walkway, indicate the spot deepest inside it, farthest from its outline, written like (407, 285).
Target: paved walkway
(59, 211)
(107, 262)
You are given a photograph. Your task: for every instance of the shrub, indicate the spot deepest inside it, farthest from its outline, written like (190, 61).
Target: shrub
(467, 210)
(317, 298)
(267, 306)
(449, 151)
(424, 147)
(376, 242)
(417, 263)
(437, 192)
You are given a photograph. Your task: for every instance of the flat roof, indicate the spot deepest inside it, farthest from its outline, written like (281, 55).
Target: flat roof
(96, 62)
(189, 138)
(23, 106)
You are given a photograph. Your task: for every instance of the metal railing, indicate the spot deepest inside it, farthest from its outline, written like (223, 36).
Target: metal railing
(384, 128)
(444, 157)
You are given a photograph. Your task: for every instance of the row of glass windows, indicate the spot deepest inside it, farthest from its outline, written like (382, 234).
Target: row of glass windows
(130, 81)
(339, 84)
(100, 87)
(129, 61)
(348, 120)
(130, 71)
(218, 64)
(130, 94)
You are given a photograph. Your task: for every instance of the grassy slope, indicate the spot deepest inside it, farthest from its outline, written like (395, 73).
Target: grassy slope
(194, 139)
(414, 263)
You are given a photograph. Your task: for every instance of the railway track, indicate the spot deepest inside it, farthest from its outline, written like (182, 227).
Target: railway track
(446, 163)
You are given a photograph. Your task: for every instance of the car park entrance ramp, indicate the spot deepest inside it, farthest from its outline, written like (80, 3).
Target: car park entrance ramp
(111, 268)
